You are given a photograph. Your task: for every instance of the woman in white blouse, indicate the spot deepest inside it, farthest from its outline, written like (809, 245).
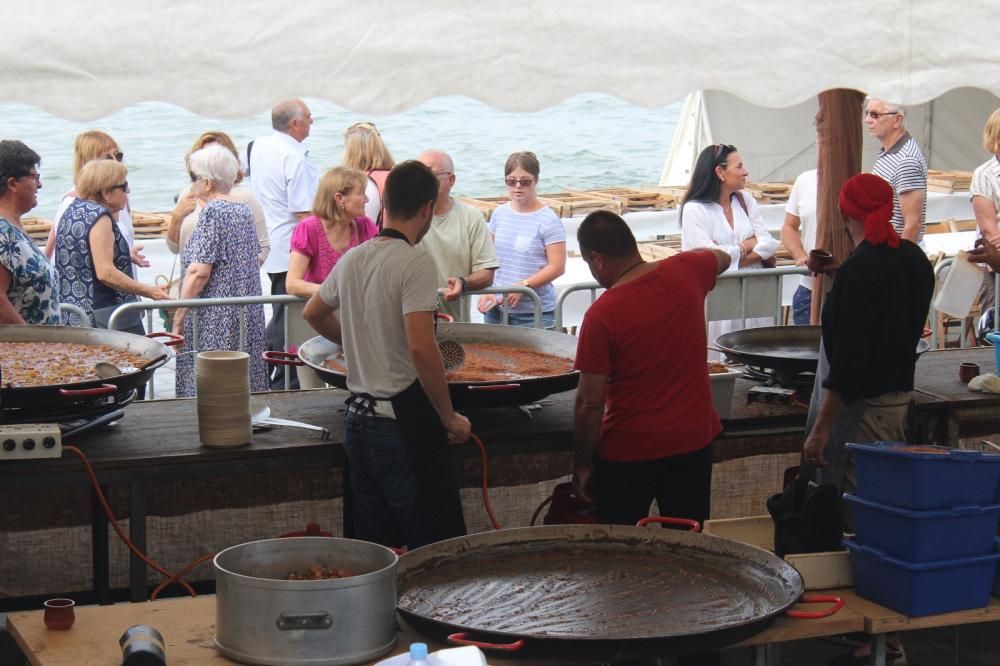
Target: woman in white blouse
(716, 213)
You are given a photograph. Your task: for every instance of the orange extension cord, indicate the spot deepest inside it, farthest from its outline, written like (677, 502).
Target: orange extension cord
(170, 577)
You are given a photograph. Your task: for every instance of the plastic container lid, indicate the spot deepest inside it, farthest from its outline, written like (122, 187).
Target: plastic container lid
(418, 651)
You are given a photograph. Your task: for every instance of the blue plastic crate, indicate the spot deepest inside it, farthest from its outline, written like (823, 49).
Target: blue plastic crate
(927, 588)
(996, 579)
(887, 472)
(925, 536)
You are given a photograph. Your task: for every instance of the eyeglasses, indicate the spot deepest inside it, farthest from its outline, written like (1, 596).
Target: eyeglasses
(194, 177)
(875, 115)
(117, 156)
(523, 182)
(443, 174)
(120, 186)
(34, 174)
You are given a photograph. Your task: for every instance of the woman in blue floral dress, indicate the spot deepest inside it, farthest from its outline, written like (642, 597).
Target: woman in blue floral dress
(220, 261)
(29, 291)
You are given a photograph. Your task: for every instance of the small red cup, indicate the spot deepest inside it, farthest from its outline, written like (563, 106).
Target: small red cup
(59, 614)
(966, 371)
(821, 257)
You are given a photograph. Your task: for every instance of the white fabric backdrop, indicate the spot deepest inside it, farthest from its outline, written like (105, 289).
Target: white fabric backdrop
(227, 59)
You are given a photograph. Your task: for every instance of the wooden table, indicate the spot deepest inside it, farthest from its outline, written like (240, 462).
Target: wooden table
(944, 409)
(188, 627)
(157, 441)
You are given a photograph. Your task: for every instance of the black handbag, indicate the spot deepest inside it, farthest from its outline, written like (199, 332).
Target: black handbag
(807, 518)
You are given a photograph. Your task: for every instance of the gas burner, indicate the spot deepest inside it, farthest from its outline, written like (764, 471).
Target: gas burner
(76, 417)
(802, 382)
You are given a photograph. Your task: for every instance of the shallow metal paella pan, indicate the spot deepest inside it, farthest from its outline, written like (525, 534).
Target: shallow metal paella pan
(594, 592)
(46, 402)
(791, 349)
(471, 395)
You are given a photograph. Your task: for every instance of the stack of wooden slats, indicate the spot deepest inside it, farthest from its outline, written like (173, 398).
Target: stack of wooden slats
(633, 199)
(485, 205)
(662, 248)
(571, 204)
(948, 182)
(150, 225)
(36, 228)
(769, 193)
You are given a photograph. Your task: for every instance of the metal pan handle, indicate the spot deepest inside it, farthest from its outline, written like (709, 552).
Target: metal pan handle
(173, 340)
(837, 602)
(103, 389)
(495, 387)
(462, 639)
(282, 358)
(693, 525)
(447, 318)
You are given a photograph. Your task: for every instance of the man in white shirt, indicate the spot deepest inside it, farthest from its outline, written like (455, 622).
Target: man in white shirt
(284, 182)
(798, 234)
(459, 241)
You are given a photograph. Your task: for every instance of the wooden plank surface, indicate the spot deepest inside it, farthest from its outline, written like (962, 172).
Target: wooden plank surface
(937, 376)
(880, 620)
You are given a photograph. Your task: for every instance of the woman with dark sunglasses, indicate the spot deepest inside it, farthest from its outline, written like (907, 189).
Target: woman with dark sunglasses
(97, 145)
(531, 247)
(91, 253)
(717, 213)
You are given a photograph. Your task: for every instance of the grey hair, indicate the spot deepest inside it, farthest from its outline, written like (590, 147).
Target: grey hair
(889, 106)
(217, 164)
(284, 113)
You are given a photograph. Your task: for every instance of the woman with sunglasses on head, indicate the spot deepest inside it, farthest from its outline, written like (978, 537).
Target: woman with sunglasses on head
(97, 145)
(220, 261)
(185, 214)
(365, 150)
(717, 213)
(91, 253)
(531, 247)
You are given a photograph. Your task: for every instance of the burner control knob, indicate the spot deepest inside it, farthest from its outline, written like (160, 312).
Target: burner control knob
(28, 444)
(49, 442)
(9, 445)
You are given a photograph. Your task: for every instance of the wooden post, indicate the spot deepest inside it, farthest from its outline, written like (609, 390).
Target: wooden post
(838, 148)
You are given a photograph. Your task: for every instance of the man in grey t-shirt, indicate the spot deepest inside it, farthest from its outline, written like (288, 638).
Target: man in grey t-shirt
(379, 303)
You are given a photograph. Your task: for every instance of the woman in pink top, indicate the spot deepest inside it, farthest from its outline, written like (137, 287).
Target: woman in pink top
(337, 224)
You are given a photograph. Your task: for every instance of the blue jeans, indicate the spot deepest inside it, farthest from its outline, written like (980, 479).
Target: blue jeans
(524, 319)
(801, 306)
(384, 489)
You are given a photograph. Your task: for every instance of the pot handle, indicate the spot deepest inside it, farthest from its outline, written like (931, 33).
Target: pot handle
(462, 639)
(692, 525)
(282, 358)
(837, 602)
(313, 620)
(173, 340)
(495, 387)
(447, 318)
(103, 389)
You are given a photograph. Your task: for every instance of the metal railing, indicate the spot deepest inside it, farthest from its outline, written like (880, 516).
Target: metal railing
(70, 309)
(195, 304)
(527, 291)
(592, 287)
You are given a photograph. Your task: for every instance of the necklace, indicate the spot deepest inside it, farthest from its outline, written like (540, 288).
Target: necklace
(626, 271)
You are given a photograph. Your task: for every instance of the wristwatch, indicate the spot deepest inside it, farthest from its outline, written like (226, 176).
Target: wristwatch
(524, 283)
(465, 284)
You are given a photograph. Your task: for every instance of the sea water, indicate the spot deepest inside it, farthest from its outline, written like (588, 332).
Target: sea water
(587, 141)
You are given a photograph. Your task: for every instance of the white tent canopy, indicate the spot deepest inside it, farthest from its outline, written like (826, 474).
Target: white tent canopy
(779, 144)
(229, 59)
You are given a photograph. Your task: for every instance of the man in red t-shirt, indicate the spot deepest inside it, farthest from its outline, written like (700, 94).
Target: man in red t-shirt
(643, 418)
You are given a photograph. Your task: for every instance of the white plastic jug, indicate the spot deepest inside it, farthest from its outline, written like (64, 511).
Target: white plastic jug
(460, 656)
(960, 288)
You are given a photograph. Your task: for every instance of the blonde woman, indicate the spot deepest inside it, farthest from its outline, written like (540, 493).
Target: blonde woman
(338, 223)
(97, 145)
(985, 194)
(91, 253)
(185, 213)
(365, 150)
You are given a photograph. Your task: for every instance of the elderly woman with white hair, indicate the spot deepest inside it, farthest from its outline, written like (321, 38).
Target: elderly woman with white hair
(220, 261)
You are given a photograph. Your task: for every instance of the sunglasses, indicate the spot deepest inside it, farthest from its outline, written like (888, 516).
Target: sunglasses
(120, 186)
(523, 182)
(117, 156)
(194, 177)
(875, 115)
(719, 148)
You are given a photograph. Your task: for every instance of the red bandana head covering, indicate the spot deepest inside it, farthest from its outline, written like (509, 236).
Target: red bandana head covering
(868, 199)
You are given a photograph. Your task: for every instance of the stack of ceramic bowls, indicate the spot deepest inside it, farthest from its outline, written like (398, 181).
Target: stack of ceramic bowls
(222, 380)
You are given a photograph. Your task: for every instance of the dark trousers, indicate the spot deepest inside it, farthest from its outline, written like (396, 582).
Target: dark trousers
(400, 494)
(275, 332)
(681, 485)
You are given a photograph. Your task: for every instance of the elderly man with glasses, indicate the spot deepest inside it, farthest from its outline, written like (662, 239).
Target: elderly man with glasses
(459, 241)
(901, 162)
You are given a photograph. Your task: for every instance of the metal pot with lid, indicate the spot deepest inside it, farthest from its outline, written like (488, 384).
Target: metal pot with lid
(264, 618)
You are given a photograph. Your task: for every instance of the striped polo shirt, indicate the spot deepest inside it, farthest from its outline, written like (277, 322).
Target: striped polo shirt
(904, 167)
(521, 239)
